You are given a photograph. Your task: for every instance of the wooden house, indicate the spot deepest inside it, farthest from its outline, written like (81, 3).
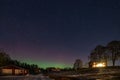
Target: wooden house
(13, 70)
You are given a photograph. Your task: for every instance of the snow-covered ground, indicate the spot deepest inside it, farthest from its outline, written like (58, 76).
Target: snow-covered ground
(28, 77)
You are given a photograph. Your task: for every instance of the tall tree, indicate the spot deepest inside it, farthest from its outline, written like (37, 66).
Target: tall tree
(4, 58)
(77, 64)
(114, 50)
(98, 54)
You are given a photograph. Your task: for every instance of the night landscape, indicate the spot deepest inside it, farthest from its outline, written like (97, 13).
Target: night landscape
(59, 39)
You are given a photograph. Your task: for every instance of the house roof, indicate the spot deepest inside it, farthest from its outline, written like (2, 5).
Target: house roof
(11, 66)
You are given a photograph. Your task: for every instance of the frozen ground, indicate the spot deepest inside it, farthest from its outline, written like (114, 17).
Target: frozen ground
(30, 77)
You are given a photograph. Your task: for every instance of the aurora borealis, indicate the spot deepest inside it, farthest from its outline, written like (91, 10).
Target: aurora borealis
(57, 32)
(49, 64)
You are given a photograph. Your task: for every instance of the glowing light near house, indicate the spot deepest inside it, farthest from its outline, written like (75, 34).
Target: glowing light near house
(99, 65)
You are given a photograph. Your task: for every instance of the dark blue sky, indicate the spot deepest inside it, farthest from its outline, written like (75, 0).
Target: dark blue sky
(57, 31)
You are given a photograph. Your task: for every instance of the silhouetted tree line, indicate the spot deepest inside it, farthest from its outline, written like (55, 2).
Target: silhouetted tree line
(110, 52)
(6, 60)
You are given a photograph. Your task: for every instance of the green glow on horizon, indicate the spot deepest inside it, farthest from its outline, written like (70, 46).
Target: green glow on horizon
(45, 64)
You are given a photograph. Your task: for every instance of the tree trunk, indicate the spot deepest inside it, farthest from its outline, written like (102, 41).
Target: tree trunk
(113, 62)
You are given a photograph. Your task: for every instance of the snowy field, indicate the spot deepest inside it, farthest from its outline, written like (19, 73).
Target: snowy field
(37, 77)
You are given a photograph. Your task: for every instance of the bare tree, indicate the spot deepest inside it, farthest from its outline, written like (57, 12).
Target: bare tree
(98, 54)
(114, 51)
(77, 64)
(4, 58)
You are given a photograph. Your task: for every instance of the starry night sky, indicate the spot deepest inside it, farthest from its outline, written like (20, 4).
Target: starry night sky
(57, 32)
